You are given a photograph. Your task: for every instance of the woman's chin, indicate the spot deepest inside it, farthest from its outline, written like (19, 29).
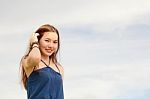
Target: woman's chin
(49, 54)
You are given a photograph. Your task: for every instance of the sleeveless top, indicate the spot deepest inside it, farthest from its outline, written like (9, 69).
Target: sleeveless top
(45, 83)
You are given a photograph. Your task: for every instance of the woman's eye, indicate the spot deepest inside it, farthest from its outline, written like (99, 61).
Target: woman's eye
(47, 40)
(55, 42)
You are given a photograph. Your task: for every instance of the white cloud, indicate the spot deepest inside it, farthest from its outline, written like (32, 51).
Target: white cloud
(106, 82)
(103, 53)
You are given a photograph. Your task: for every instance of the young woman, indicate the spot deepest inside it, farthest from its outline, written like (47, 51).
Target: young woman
(42, 75)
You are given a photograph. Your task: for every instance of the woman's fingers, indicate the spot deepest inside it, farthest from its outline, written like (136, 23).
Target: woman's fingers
(34, 38)
(36, 34)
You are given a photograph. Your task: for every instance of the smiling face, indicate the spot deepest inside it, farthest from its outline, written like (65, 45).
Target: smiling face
(48, 44)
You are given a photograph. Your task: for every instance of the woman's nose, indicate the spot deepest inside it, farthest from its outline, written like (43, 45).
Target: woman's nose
(50, 44)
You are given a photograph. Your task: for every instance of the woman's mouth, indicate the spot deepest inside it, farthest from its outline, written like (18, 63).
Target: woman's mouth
(49, 50)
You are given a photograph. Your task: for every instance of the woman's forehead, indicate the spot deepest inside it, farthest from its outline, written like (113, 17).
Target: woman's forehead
(50, 35)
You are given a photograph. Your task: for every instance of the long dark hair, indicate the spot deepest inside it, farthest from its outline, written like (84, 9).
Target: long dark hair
(41, 30)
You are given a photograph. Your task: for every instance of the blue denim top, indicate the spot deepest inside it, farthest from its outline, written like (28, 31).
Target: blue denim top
(45, 83)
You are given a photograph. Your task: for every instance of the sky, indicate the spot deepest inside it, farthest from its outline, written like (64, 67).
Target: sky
(105, 45)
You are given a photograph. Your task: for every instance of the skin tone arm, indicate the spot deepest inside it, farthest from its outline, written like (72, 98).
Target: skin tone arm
(34, 56)
(62, 72)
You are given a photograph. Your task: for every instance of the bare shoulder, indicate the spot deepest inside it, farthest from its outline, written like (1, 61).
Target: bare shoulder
(60, 67)
(61, 70)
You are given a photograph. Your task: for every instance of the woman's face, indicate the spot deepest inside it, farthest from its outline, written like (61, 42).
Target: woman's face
(48, 44)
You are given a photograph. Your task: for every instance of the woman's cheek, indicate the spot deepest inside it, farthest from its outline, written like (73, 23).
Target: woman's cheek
(56, 47)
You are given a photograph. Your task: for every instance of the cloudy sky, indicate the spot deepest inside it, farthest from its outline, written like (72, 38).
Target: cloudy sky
(105, 45)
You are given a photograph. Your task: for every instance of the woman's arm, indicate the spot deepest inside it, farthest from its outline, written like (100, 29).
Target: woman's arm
(33, 55)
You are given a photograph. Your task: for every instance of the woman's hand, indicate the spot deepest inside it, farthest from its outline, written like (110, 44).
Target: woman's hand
(34, 38)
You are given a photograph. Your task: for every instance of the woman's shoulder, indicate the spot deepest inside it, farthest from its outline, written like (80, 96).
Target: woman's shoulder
(61, 69)
(59, 65)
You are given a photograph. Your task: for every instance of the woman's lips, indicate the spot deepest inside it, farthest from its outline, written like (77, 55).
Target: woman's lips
(49, 50)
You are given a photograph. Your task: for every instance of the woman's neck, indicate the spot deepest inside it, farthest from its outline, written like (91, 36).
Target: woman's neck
(46, 59)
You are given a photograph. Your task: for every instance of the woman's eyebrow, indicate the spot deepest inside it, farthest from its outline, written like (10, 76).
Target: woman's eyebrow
(51, 39)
